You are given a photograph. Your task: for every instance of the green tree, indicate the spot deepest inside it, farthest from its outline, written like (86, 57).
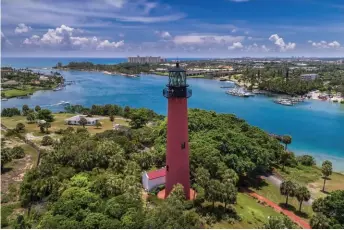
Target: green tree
(286, 139)
(47, 140)
(287, 189)
(331, 207)
(41, 126)
(319, 221)
(25, 110)
(47, 125)
(302, 194)
(83, 121)
(229, 193)
(112, 118)
(326, 170)
(37, 108)
(3, 95)
(17, 152)
(230, 176)
(20, 127)
(45, 114)
(212, 191)
(30, 118)
(285, 157)
(275, 222)
(6, 156)
(98, 124)
(126, 112)
(202, 177)
(138, 119)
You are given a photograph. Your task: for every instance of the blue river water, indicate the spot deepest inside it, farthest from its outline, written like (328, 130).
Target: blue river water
(317, 127)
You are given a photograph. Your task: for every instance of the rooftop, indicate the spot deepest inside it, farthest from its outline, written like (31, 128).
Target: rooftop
(156, 173)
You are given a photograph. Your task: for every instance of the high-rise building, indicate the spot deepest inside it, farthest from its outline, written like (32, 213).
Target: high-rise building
(177, 156)
(148, 59)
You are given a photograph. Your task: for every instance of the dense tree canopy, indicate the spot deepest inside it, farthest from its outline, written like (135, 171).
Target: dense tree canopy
(329, 211)
(94, 181)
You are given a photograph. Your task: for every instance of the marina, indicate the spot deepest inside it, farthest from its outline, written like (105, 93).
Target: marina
(240, 92)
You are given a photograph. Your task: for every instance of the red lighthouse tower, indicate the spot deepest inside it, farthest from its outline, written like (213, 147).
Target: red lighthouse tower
(177, 156)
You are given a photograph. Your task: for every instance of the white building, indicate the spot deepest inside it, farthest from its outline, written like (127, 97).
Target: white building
(76, 119)
(153, 179)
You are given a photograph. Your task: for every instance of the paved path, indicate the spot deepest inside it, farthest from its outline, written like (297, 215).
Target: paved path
(296, 219)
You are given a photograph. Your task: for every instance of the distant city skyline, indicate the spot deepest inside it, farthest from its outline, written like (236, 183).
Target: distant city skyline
(171, 29)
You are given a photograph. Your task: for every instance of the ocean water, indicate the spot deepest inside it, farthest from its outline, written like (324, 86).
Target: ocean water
(317, 127)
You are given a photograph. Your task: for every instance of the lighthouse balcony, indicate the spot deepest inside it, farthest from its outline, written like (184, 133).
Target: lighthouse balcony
(177, 92)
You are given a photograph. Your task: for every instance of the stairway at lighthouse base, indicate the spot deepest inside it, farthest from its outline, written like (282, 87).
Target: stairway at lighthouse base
(162, 195)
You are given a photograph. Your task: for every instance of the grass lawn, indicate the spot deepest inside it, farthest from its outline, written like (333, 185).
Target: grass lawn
(336, 182)
(6, 211)
(197, 76)
(302, 174)
(312, 177)
(272, 192)
(161, 73)
(59, 123)
(253, 214)
(18, 92)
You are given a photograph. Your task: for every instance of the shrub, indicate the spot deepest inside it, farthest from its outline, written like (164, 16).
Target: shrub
(81, 130)
(59, 131)
(17, 152)
(70, 130)
(47, 140)
(306, 160)
(20, 127)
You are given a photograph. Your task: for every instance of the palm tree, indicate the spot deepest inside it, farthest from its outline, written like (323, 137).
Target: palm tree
(326, 170)
(286, 139)
(287, 189)
(302, 194)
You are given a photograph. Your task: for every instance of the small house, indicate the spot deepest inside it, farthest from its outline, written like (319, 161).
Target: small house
(76, 120)
(153, 179)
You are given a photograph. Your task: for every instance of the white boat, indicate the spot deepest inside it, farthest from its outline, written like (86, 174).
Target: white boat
(286, 102)
(63, 103)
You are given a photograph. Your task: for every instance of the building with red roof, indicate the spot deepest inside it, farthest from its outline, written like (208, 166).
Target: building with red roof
(153, 179)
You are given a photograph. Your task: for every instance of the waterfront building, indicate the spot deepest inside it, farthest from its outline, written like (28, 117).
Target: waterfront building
(148, 59)
(177, 156)
(76, 120)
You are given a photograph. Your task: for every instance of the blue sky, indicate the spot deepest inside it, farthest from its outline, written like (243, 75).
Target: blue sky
(174, 28)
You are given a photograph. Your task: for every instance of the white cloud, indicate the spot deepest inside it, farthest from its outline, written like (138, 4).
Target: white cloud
(326, 45)
(22, 28)
(234, 30)
(281, 44)
(163, 34)
(107, 44)
(207, 39)
(239, 0)
(65, 36)
(121, 35)
(256, 48)
(236, 45)
(116, 3)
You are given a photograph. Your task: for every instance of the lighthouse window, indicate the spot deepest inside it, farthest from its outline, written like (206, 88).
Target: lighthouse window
(183, 145)
(166, 167)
